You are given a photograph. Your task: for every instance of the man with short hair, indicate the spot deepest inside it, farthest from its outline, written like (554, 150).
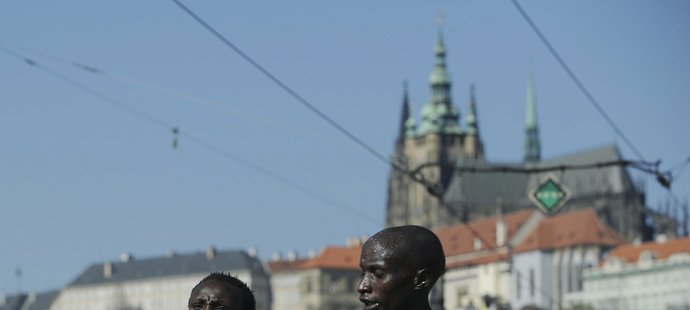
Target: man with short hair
(400, 265)
(221, 291)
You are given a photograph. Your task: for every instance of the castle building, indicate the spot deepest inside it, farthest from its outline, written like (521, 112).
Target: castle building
(451, 156)
(438, 139)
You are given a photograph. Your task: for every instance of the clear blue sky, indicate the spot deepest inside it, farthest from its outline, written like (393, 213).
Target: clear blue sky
(82, 180)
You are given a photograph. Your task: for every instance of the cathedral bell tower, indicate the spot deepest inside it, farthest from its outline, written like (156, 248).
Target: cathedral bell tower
(440, 141)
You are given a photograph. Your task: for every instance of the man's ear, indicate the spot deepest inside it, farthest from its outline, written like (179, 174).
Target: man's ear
(422, 279)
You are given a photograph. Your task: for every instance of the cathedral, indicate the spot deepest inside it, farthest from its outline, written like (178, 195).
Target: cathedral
(444, 147)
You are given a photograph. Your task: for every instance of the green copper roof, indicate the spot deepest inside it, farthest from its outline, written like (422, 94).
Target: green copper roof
(440, 115)
(440, 75)
(531, 115)
(471, 118)
(532, 145)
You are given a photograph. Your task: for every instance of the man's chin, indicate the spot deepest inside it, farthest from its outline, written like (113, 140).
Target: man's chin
(372, 306)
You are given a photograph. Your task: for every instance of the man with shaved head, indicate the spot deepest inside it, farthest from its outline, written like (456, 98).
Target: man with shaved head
(400, 265)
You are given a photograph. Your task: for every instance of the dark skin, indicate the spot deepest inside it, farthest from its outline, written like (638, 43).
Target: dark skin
(396, 273)
(214, 294)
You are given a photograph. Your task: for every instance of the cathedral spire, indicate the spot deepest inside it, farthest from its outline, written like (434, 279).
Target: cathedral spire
(471, 118)
(474, 148)
(405, 115)
(440, 115)
(532, 146)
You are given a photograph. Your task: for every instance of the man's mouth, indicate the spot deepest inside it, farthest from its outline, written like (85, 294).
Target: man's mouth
(370, 304)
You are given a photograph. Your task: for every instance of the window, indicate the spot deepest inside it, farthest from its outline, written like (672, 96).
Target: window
(531, 282)
(518, 291)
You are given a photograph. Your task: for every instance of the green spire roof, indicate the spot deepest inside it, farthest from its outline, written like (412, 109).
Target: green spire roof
(440, 115)
(440, 75)
(471, 118)
(532, 147)
(531, 115)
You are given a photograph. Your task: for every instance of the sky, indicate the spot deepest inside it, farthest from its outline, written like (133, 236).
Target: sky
(87, 167)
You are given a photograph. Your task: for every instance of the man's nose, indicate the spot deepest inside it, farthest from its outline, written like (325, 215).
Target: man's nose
(363, 286)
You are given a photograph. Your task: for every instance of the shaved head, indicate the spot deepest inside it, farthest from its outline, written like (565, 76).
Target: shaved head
(414, 246)
(400, 265)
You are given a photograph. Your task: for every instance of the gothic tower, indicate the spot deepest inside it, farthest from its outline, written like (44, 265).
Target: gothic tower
(439, 142)
(532, 151)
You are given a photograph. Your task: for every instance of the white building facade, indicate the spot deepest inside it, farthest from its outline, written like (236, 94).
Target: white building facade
(159, 283)
(657, 278)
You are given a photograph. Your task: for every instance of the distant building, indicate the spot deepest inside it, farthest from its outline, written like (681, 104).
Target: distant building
(652, 275)
(521, 259)
(473, 270)
(439, 143)
(159, 282)
(326, 281)
(30, 301)
(549, 263)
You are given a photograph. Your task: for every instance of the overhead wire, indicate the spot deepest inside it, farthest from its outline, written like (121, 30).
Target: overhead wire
(184, 97)
(195, 139)
(664, 179)
(282, 85)
(577, 80)
(433, 188)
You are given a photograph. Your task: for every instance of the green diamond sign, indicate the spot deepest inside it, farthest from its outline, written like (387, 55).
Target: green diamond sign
(549, 195)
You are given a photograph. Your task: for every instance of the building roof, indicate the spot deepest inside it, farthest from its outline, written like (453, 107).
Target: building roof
(43, 301)
(332, 257)
(32, 301)
(630, 253)
(178, 264)
(579, 227)
(12, 302)
(476, 190)
(458, 239)
(526, 230)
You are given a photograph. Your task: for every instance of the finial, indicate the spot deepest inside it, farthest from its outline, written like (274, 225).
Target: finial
(440, 21)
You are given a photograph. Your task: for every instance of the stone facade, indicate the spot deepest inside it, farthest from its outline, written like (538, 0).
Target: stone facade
(327, 281)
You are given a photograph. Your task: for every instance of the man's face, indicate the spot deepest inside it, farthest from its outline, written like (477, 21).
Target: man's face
(387, 282)
(214, 294)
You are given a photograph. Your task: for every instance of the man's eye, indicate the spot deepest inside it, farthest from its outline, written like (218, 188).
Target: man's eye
(379, 273)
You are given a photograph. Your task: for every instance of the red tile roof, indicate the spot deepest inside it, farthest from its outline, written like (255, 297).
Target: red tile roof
(332, 257)
(579, 227)
(458, 239)
(630, 253)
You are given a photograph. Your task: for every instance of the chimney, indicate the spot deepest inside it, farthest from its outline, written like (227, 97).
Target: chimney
(292, 255)
(252, 251)
(477, 244)
(311, 254)
(126, 257)
(501, 232)
(661, 238)
(107, 269)
(211, 252)
(277, 256)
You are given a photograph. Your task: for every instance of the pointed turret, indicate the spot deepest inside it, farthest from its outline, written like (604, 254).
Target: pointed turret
(405, 115)
(474, 147)
(440, 115)
(532, 146)
(471, 118)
